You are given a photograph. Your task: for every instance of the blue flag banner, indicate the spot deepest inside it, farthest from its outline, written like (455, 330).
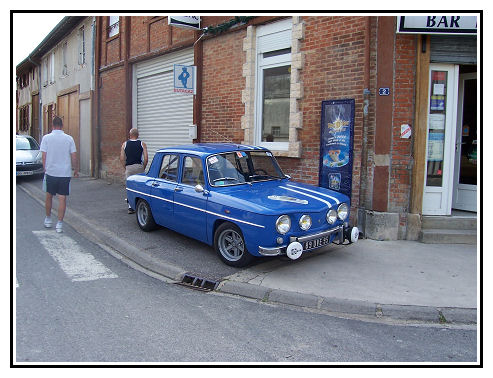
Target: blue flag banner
(336, 146)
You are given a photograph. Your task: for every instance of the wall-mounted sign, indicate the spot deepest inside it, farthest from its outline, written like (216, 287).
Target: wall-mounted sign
(437, 24)
(384, 91)
(405, 131)
(336, 146)
(190, 22)
(185, 79)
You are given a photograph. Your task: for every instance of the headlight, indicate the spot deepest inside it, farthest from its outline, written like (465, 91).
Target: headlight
(331, 216)
(283, 224)
(305, 222)
(39, 158)
(342, 211)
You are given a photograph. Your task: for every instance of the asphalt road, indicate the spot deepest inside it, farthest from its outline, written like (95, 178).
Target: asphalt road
(76, 303)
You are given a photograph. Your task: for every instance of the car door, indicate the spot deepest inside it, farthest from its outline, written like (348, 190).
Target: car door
(163, 189)
(190, 205)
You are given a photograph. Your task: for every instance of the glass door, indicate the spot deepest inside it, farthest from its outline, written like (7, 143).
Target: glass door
(437, 195)
(466, 168)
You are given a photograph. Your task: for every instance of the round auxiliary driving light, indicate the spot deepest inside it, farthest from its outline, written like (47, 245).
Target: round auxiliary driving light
(332, 216)
(305, 222)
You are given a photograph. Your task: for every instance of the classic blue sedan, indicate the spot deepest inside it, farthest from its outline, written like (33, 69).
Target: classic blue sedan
(237, 199)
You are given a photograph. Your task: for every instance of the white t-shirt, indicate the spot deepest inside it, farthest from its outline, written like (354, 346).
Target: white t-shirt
(58, 147)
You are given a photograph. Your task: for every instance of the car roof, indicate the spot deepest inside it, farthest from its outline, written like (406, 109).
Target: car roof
(205, 149)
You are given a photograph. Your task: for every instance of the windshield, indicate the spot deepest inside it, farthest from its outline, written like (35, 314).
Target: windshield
(239, 167)
(26, 144)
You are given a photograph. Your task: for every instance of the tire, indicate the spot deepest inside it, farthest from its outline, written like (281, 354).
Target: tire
(144, 216)
(230, 246)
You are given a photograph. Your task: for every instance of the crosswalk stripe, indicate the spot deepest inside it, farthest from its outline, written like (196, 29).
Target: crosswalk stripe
(77, 264)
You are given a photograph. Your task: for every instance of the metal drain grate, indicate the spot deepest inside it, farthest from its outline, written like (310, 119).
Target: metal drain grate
(198, 283)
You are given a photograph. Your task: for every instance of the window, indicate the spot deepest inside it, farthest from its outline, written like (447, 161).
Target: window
(169, 168)
(273, 85)
(45, 72)
(113, 26)
(64, 59)
(193, 174)
(82, 46)
(52, 67)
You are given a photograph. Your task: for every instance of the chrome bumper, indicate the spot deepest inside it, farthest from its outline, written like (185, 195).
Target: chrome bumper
(276, 251)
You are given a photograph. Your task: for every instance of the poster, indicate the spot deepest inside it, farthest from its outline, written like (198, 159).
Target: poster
(435, 146)
(336, 146)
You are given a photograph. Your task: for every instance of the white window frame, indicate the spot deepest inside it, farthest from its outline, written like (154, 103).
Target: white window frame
(266, 63)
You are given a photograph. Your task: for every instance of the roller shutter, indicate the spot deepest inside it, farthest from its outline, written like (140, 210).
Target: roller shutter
(161, 116)
(457, 49)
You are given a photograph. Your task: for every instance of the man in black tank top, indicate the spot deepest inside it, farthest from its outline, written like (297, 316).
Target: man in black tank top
(133, 156)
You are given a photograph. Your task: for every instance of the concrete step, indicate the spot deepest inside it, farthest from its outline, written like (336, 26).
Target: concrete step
(429, 222)
(447, 236)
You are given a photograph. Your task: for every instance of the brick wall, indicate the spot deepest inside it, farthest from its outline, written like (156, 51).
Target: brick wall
(112, 119)
(401, 154)
(222, 82)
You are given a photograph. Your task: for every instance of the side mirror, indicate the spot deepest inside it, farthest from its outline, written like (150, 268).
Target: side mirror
(199, 188)
(287, 176)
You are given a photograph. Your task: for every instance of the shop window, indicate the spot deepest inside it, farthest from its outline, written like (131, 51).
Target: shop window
(113, 26)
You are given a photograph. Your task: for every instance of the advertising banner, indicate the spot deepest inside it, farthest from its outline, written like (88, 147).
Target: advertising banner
(336, 145)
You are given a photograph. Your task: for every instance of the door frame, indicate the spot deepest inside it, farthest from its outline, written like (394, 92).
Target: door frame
(446, 189)
(458, 145)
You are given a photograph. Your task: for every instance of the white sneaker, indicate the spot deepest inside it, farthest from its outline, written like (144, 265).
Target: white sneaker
(59, 226)
(48, 223)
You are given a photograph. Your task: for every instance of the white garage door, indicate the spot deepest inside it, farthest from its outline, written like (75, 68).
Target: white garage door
(161, 116)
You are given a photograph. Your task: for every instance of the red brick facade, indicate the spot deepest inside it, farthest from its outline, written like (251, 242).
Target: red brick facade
(333, 50)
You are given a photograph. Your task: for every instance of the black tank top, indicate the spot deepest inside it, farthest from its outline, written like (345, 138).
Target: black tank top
(133, 152)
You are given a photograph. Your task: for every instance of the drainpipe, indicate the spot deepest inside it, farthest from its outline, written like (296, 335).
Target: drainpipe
(40, 110)
(363, 203)
(96, 131)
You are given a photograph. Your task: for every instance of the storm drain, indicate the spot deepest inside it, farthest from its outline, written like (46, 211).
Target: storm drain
(198, 283)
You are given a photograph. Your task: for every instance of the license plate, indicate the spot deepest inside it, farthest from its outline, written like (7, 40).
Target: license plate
(316, 243)
(23, 173)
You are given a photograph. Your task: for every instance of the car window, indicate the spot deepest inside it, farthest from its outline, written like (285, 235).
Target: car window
(238, 167)
(26, 144)
(169, 168)
(193, 173)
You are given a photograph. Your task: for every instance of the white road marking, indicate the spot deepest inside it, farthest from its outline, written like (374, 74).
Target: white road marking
(77, 264)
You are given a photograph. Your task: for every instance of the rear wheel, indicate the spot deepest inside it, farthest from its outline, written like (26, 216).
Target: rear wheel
(144, 216)
(230, 246)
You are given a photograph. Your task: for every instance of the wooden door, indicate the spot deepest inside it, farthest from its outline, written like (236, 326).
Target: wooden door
(68, 110)
(35, 118)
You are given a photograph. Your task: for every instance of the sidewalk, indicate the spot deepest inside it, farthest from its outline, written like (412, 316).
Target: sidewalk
(400, 280)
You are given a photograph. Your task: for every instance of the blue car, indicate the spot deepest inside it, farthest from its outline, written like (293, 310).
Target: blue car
(237, 199)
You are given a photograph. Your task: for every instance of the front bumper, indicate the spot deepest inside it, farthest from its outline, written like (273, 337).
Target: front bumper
(309, 242)
(28, 169)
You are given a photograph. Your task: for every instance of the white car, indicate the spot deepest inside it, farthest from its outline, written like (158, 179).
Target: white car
(28, 157)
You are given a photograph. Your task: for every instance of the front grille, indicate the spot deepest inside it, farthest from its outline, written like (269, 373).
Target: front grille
(28, 166)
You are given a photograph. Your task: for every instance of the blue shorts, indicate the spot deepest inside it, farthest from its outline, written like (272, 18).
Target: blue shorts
(56, 185)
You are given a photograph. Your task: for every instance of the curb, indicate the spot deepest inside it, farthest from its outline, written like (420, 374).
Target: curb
(449, 315)
(105, 237)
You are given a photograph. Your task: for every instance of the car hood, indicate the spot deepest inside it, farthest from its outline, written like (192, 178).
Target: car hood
(26, 156)
(274, 197)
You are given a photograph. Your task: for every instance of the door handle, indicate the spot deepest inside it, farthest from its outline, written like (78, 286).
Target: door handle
(154, 184)
(178, 189)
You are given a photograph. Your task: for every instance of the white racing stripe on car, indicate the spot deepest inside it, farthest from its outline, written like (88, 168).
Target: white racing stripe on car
(77, 264)
(314, 191)
(198, 209)
(308, 195)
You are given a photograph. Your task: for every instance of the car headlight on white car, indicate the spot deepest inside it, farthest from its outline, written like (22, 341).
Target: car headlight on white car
(39, 158)
(331, 216)
(305, 222)
(342, 211)
(283, 224)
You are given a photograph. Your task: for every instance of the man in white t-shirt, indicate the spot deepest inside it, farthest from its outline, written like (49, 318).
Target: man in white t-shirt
(59, 156)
